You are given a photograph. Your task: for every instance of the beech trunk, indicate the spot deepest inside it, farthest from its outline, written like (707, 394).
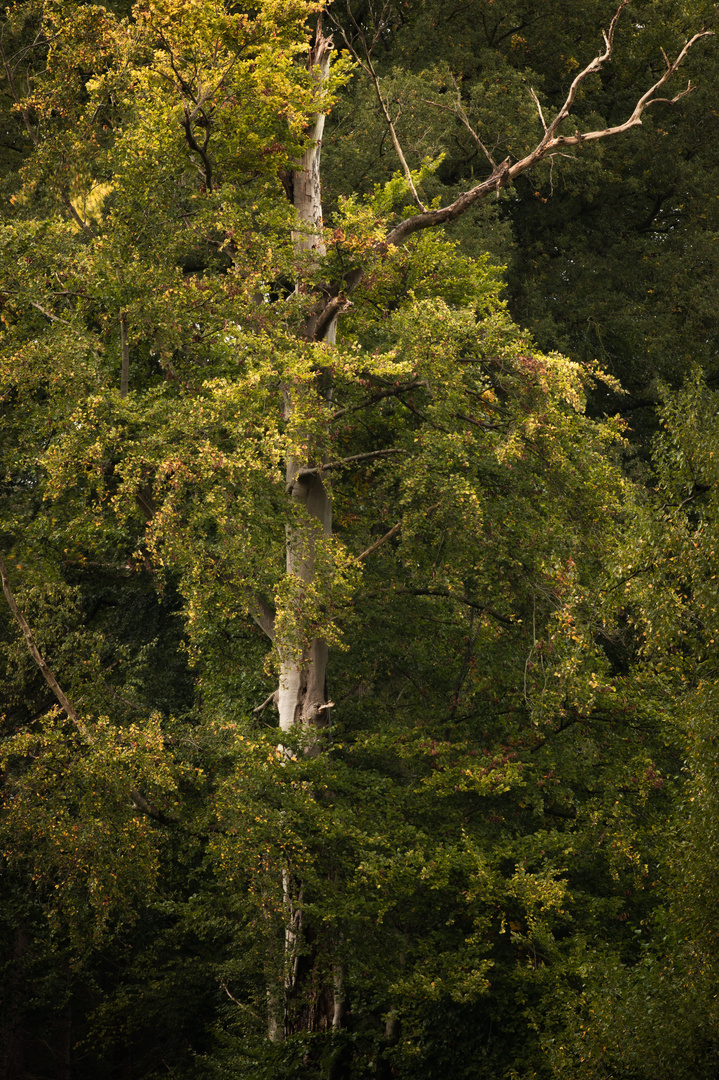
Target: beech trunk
(303, 681)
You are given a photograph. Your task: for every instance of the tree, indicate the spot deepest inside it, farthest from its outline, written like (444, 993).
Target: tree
(162, 295)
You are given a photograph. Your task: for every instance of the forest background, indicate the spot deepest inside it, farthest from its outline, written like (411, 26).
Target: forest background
(360, 658)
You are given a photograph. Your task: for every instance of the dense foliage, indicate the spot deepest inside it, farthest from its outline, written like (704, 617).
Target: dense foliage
(489, 851)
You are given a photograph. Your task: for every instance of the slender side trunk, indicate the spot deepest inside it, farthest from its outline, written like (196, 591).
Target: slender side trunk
(338, 996)
(275, 1031)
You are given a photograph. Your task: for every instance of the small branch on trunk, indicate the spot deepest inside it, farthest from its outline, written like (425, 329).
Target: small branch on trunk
(421, 416)
(388, 535)
(140, 803)
(334, 307)
(483, 425)
(261, 708)
(48, 314)
(80, 222)
(246, 1008)
(264, 615)
(145, 501)
(201, 151)
(344, 462)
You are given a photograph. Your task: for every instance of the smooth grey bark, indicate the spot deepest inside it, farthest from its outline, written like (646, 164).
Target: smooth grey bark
(302, 697)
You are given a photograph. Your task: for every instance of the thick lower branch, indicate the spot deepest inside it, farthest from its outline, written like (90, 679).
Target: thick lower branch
(317, 470)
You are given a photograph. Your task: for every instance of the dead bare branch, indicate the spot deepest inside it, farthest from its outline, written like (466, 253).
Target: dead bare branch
(506, 173)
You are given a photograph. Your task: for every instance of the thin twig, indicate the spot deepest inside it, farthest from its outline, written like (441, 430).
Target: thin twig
(539, 107)
(445, 594)
(459, 112)
(365, 62)
(379, 396)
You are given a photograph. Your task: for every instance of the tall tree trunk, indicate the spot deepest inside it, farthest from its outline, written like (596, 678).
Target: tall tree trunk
(303, 681)
(312, 988)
